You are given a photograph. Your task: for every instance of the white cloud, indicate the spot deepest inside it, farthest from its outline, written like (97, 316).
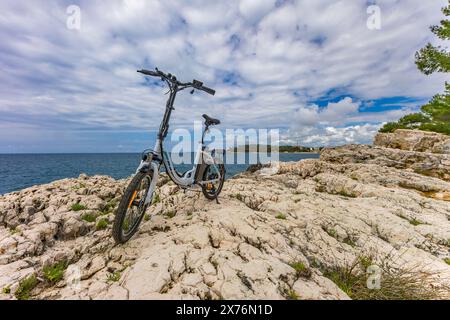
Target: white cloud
(254, 10)
(351, 134)
(58, 79)
(331, 136)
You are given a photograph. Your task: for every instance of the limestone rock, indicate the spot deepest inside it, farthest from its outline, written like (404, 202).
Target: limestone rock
(271, 237)
(429, 164)
(414, 140)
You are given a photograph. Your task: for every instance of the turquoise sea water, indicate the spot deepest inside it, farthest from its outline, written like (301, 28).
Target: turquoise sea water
(19, 171)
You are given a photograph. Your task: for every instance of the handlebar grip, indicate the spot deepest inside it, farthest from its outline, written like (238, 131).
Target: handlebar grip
(149, 73)
(208, 90)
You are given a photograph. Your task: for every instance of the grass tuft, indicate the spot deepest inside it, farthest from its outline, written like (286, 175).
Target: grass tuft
(281, 216)
(396, 283)
(331, 232)
(6, 290)
(88, 217)
(171, 214)
(350, 241)
(78, 207)
(55, 272)
(101, 224)
(301, 269)
(25, 287)
(346, 194)
(109, 207)
(79, 186)
(415, 222)
(292, 295)
(14, 231)
(114, 277)
(156, 199)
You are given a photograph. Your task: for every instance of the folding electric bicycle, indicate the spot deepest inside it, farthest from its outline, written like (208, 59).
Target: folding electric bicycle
(207, 174)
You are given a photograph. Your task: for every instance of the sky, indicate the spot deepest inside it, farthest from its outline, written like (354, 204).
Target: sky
(311, 68)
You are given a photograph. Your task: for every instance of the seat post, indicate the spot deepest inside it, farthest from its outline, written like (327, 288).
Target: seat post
(205, 132)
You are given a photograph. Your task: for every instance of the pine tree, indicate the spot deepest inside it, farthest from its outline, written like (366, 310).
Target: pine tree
(434, 116)
(435, 59)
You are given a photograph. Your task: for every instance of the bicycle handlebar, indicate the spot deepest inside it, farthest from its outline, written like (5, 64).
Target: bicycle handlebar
(208, 90)
(195, 84)
(149, 73)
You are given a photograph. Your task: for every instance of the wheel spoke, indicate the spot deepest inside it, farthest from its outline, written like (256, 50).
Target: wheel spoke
(136, 206)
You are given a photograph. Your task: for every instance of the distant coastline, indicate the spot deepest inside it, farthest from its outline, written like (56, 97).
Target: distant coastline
(248, 148)
(291, 152)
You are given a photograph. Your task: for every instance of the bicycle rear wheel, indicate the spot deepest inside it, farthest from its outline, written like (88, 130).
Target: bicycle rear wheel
(211, 190)
(131, 208)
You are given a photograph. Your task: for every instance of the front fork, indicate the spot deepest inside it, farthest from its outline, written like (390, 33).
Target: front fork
(147, 167)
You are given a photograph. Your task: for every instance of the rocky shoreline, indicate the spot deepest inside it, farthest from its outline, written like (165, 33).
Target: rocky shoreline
(283, 232)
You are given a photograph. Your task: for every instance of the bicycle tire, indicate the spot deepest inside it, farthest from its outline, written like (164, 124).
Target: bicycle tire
(119, 236)
(214, 196)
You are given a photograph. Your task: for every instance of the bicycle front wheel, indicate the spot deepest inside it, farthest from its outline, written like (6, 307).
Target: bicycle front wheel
(131, 208)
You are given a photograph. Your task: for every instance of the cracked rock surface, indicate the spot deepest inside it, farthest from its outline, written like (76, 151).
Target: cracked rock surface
(354, 201)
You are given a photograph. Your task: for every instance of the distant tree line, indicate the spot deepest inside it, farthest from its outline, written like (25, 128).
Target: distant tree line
(268, 148)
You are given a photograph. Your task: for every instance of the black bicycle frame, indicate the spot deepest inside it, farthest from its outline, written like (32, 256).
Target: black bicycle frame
(164, 129)
(152, 159)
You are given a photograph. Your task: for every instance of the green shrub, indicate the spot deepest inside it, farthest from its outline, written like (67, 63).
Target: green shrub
(78, 207)
(391, 127)
(441, 127)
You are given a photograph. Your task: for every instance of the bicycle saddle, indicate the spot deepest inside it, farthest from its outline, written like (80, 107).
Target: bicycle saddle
(210, 121)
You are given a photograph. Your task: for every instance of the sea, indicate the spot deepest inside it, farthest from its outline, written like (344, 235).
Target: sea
(19, 171)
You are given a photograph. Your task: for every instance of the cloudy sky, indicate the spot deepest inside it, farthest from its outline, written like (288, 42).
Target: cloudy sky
(311, 68)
